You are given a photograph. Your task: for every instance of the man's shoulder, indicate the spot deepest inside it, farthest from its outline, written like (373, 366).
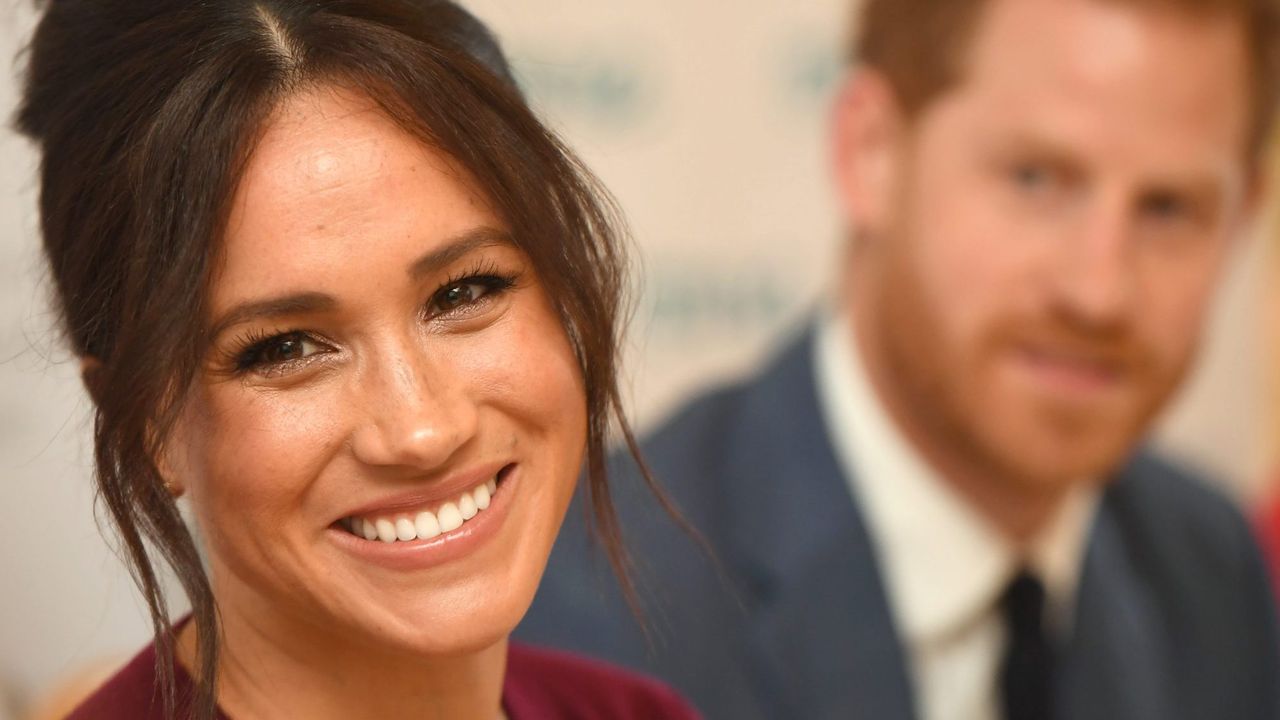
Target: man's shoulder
(1180, 507)
(745, 422)
(1181, 548)
(1192, 545)
(705, 425)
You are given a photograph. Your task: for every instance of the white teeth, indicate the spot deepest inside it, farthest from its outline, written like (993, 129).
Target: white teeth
(405, 531)
(386, 531)
(450, 517)
(467, 506)
(426, 525)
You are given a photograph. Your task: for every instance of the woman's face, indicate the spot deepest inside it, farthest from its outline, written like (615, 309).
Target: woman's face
(386, 435)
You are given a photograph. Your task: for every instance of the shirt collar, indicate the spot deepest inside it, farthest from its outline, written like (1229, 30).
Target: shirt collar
(944, 565)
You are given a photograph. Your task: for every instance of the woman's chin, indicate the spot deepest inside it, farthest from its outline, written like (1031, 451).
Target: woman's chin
(441, 624)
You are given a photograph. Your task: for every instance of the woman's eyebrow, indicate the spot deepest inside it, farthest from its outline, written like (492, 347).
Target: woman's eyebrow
(456, 248)
(299, 304)
(314, 302)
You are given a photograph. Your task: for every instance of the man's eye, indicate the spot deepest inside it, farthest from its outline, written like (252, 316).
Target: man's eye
(1165, 206)
(1032, 177)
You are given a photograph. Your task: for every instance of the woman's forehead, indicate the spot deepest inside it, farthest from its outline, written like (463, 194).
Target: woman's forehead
(334, 185)
(329, 144)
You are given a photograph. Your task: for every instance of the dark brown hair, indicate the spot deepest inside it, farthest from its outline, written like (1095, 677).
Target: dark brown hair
(146, 112)
(919, 45)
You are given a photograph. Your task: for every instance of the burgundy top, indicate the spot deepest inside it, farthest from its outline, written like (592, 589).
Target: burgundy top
(540, 685)
(1269, 530)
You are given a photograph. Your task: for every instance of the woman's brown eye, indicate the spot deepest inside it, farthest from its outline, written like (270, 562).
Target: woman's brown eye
(289, 347)
(472, 290)
(459, 294)
(280, 350)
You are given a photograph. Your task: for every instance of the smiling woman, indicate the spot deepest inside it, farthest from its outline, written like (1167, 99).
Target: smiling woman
(333, 283)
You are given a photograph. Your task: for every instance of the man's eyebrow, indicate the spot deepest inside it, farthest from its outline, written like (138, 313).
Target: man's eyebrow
(297, 304)
(314, 302)
(457, 248)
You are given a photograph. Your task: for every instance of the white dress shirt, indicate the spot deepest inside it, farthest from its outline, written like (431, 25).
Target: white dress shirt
(943, 565)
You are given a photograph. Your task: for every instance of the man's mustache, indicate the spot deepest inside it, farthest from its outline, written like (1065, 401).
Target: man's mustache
(1116, 350)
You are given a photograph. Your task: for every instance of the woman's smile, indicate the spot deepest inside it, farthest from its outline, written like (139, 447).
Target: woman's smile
(423, 529)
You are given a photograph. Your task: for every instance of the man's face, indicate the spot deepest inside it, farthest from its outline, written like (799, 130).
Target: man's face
(1040, 260)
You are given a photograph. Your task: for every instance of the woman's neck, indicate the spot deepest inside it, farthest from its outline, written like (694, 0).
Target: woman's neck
(271, 669)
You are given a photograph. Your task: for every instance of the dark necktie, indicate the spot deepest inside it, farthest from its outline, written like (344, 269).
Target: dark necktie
(1026, 675)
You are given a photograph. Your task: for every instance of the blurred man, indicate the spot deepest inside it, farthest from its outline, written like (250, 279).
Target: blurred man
(932, 505)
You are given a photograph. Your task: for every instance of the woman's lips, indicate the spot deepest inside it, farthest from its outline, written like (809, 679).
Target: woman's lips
(430, 495)
(423, 523)
(419, 538)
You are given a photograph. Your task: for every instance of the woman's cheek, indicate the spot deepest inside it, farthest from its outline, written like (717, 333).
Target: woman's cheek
(262, 449)
(533, 365)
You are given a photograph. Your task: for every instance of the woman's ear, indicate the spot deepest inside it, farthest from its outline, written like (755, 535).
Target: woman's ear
(168, 468)
(91, 376)
(867, 132)
(172, 485)
(90, 372)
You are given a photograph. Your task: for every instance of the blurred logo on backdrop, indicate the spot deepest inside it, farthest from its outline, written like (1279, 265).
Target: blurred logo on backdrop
(606, 90)
(716, 157)
(690, 298)
(810, 64)
(615, 88)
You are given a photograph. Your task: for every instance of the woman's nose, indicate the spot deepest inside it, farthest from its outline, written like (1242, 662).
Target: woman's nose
(414, 416)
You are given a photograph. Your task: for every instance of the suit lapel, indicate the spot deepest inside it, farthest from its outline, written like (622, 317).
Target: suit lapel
(1117, 664)
(822, 638)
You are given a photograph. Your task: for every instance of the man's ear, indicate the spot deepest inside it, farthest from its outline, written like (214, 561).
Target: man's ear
(1261, 188)
(868, 129)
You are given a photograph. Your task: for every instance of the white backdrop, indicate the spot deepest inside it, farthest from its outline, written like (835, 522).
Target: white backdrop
(707, 120)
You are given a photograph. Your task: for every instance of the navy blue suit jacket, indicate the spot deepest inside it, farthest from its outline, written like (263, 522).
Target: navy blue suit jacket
(1175, 618)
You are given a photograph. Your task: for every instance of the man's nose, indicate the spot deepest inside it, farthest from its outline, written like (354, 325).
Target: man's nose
(1095, 277)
